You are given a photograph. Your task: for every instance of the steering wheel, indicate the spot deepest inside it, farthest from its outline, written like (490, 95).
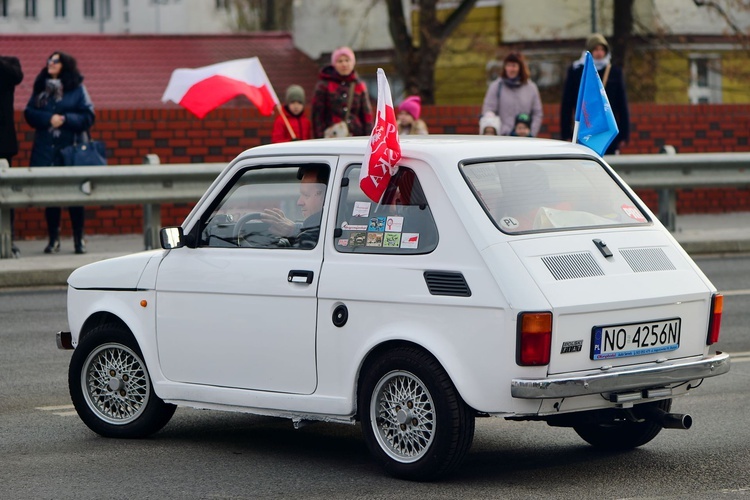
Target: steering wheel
(252, 216)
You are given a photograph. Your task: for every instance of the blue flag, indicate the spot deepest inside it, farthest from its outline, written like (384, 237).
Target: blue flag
(595, 122)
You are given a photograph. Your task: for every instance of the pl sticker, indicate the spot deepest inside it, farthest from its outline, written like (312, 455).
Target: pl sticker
(633, 213)
(391, 240)
(394, 224)
(377, 224)
(409, 240)
(509, 222)
(374, 239)
(353, 227)
(361, 209)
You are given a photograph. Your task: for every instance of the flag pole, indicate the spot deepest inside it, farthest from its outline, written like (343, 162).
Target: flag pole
(286, 122)
(575, 132)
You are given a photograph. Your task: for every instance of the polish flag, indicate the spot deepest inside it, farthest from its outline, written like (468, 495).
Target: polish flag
(384, 150)
(201, 90)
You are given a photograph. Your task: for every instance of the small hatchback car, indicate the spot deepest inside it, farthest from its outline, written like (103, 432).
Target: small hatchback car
(510, 277)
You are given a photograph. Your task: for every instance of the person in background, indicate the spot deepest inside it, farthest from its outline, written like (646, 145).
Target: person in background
(408, 117)
(514, 93)
(614, 85)
(489, 124)
(522, 128)
(59, 110)
(10, 76)
(338, 86)
(294, 110)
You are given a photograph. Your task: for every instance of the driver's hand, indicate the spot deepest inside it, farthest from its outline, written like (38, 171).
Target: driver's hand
(278, 224)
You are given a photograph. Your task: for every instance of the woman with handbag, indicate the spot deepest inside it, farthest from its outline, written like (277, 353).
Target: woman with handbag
(59, 110)
(341, 104)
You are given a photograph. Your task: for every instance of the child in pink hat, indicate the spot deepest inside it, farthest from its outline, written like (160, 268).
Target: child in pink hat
(408, 117)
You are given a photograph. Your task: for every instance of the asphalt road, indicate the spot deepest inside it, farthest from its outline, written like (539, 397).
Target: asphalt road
(47, 452)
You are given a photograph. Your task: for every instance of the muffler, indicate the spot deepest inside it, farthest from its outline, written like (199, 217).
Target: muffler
(668, 420)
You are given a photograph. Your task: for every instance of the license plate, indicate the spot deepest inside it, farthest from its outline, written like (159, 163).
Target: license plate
(635, 339)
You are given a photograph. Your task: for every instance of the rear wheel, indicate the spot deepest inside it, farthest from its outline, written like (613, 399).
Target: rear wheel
(111, 388)
(413, 419)
(623, 434)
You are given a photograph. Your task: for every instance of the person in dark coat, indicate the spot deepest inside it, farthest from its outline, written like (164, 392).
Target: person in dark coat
(10, 76)
(59, 110)
(614, 85)
(331, 97)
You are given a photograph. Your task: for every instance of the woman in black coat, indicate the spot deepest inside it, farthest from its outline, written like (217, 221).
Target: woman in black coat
(59, 110)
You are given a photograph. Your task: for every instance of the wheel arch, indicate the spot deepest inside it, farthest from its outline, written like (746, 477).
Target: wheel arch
(384, 347)
(101, 318)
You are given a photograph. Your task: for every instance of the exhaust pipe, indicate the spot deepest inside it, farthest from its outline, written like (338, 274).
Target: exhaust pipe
(669, 420)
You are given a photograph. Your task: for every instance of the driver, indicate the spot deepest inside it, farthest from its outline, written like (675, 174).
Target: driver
(312, 190)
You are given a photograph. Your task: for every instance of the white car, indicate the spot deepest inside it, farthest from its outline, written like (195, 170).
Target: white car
(511, 277)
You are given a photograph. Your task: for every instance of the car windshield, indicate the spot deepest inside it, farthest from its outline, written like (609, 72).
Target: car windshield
(551, 194)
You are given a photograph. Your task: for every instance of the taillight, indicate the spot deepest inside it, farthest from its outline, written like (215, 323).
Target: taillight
(534, 338)
(714, 324)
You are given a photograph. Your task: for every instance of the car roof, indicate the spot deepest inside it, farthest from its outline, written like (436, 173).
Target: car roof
(443, 148)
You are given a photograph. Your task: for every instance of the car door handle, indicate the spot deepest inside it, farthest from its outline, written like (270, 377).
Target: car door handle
(298, 276)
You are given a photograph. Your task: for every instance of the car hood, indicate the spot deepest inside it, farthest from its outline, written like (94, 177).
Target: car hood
(119, 273)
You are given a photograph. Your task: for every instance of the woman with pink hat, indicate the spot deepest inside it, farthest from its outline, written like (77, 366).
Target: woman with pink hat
(408, 117)
(341, 104)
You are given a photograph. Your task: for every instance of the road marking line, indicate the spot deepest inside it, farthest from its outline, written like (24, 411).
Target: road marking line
(736, 292)
(66, 413)
(54, 408)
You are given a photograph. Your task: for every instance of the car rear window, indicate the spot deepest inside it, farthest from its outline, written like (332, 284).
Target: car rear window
(551, 194)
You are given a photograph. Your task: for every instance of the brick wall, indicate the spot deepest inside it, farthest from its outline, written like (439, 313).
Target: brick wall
(178, 137)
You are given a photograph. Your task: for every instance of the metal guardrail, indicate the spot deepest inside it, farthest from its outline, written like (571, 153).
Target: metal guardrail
(147, 185)
(153, 185)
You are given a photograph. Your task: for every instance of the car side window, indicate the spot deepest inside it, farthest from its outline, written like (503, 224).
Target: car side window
(401, 223)
(272, 207)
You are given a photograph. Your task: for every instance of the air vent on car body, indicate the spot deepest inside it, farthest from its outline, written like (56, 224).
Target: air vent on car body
(572, 266)
(447, 283)
(642, 260)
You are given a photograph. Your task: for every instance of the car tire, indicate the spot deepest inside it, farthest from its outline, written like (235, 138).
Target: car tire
(623, 435)
(111, 388)
(414, 421)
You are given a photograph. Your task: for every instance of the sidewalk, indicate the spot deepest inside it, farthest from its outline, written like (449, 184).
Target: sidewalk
(698, 234)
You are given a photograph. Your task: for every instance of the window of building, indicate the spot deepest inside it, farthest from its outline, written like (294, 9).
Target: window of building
(30, 8)
(705, 79)
(91, 9)
(3, 8)
(60, 8)
(222, 4)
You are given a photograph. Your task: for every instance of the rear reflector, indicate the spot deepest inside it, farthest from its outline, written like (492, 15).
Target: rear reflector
(714, 324)
(534, 338)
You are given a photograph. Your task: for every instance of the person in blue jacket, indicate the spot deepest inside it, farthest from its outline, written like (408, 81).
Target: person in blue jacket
(59, 110)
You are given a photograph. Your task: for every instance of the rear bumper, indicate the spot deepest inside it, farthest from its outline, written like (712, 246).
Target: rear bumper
(617, 380)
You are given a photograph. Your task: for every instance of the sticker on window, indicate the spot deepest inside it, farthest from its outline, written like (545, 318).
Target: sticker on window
(353, 227)
(409, 240)
(392, 240)
(394, 224)
(377, 224)
(361, 209)
(357, 239)
(374, 239)
(343, 242)
(633, 213)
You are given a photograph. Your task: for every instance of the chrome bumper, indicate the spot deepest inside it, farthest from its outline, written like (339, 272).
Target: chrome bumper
(624, 379)
(64, 340)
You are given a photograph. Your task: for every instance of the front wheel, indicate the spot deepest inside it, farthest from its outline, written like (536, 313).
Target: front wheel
(111, 388)
(623, 434)
(413, 419)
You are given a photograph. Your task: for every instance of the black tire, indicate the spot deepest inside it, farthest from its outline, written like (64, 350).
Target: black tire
(111, 388)
(414, 421)
(625, 434)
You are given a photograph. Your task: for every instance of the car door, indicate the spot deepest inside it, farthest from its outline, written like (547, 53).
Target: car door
(237, 307)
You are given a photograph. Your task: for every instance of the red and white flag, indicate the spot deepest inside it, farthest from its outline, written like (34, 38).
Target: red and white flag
(201, 90)
(384, 150)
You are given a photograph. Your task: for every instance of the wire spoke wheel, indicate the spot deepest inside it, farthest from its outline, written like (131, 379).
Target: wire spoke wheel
(115, 383)
(403, 416)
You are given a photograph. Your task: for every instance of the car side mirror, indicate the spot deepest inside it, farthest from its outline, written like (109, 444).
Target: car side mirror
(172, 237)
